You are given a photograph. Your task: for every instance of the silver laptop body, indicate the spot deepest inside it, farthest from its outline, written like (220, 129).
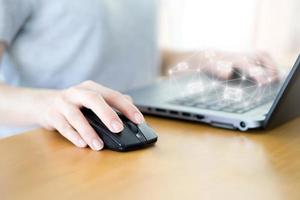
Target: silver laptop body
(164, 98)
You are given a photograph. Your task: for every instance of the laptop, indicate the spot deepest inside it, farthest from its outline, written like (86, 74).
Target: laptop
(232, 104)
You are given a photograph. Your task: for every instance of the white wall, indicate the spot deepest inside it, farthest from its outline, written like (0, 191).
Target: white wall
(194, 24)
(271, 25)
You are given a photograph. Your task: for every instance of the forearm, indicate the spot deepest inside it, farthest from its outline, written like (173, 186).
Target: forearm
(22, 106)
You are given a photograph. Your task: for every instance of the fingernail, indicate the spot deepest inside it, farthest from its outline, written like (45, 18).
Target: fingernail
(139, 118)
(81, 143)
(97, 145)
(116, 126)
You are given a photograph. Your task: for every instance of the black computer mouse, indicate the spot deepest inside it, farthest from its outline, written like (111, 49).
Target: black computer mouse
(131, 138)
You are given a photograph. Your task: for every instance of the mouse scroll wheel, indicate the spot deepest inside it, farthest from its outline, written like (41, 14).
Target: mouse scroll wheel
(132, 127)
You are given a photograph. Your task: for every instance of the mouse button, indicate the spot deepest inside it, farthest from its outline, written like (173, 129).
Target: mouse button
(141, 137)
(96, 123)
(88, 112)
(147, 131)
(133, 127)
(135, 130)
(127, 137)
(109, 142)
(104, 133)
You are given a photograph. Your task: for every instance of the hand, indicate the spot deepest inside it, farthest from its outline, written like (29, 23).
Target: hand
(258, 66)
(63, 112)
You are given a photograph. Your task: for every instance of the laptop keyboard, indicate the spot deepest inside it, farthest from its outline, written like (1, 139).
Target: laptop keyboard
(214, 100)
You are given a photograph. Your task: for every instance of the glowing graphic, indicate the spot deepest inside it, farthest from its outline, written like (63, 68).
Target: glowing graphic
(223, 66)
(195, 87)
(209, 54)
(233, 94)
(182, 66)
(269, 79)
(256, 71)
(202, 83)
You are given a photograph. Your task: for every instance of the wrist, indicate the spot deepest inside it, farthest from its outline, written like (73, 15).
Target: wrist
(42, 101)
(23, 106)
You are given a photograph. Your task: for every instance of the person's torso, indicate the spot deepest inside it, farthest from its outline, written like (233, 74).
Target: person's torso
(65, 42)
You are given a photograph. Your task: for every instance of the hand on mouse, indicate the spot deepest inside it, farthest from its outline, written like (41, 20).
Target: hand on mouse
(63, 112)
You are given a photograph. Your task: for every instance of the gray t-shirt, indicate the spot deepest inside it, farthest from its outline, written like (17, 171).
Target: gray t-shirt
(60, 43)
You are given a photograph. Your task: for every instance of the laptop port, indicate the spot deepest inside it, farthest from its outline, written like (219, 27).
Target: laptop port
(243, 124)
(173, 112)
(160, 110)
(222, 125)
(185, 114)
(199, 116)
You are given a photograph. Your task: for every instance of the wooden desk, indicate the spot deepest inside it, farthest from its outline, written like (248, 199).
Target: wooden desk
(190, 161)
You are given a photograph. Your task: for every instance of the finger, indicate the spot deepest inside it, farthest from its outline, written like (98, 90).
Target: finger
(246, 66)
(118, 101)
(66, 130)
(95, 102)
(269, 65)
(129, 98)
(122, 104)
(219, 71)
(93, 86)
(242, 64)
(81, 125)
(258, 73)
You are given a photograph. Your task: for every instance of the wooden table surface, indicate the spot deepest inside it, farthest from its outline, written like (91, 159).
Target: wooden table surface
(190, 161)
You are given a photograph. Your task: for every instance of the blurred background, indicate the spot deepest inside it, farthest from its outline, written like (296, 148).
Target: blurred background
(232, 25)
